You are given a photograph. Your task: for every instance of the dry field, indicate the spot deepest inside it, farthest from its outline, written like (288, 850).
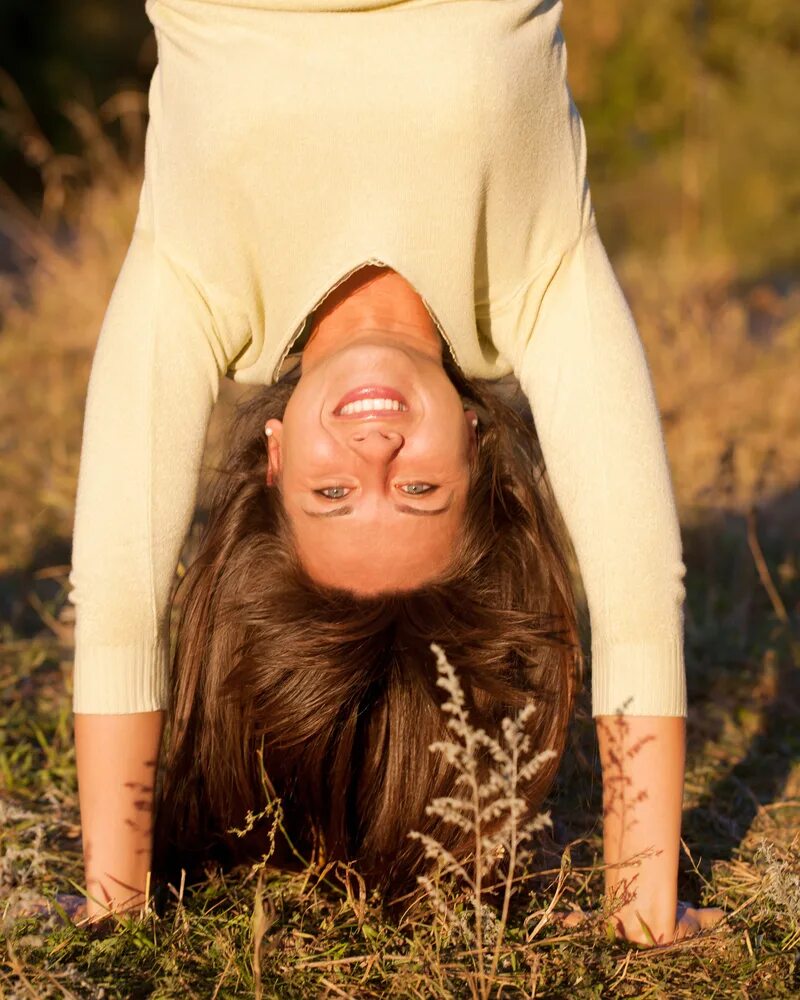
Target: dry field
(724, 356)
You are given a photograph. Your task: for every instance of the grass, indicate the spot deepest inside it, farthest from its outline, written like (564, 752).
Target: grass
(724, 358)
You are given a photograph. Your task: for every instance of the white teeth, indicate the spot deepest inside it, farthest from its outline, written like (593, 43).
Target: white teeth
(371, 405)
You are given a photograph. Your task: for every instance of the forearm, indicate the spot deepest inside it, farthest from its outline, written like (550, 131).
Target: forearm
(117, 759)
(642, 759)
(154, 380)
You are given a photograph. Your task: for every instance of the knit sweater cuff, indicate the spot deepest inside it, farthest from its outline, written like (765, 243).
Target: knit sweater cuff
(638, 678)
(120, 680)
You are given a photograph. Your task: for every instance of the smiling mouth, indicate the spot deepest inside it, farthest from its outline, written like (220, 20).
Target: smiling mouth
(371, 401)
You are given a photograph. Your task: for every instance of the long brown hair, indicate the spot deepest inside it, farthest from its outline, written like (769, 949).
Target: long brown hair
(339, 691)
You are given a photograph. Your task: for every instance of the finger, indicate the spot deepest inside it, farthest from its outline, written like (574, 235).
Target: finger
(688, 925)
(694, 920)
(69, 902)
(710, 917)
(73, 908)
(569, 918)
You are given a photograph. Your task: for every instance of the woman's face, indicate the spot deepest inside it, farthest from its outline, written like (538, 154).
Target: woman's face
(375, 491)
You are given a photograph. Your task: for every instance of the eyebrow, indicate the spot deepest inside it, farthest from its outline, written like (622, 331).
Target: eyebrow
(403, 508)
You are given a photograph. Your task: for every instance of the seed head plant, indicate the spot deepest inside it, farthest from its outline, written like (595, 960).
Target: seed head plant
(489, 806)
(781, 883)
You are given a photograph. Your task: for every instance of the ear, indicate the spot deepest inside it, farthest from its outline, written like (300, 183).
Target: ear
(471, 417)
(273, 430)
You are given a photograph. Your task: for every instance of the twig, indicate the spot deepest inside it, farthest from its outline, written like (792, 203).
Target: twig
(260, 925)
(729, 916)
(351, 960)
(222, 978)
(623, 972)
(562, 875)
(62, 633)
(329, 963)
(17, 968)
(332, 986)
(763, 569)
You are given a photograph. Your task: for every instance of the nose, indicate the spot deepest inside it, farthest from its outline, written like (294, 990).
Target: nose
(375, 445)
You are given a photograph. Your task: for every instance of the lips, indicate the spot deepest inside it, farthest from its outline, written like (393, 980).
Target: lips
(394, 402)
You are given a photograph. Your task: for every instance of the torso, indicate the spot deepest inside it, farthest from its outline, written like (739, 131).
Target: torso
(289, 148)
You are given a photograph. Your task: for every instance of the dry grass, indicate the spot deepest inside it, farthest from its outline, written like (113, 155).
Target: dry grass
(723, 358)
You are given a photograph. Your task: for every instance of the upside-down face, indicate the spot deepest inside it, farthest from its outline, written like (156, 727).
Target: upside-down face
(373, 461)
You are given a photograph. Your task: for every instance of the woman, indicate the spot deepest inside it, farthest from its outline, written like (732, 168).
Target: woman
(291, 144)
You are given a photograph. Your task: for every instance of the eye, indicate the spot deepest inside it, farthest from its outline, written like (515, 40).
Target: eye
(418, 489)
(333, 492)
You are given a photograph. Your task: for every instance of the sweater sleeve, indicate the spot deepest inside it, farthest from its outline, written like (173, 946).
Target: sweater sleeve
(583, 369)
(154, 379)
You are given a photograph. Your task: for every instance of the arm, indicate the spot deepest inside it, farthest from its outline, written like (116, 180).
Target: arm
(584, 371)
(155, 377)
(116, 757)
(642, 759)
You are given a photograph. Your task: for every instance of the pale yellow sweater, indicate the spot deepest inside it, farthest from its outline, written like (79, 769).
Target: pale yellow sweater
(291, 141)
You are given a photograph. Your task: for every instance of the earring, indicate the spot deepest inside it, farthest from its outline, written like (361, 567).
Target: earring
(268, 431)
(474, 421)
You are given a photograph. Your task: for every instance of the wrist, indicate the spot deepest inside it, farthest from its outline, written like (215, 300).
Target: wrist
(641, 913)
(122, 887)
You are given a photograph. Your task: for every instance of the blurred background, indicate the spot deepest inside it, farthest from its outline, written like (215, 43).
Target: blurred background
(691, 112)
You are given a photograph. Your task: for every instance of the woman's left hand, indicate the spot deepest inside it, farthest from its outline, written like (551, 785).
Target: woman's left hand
(689, 922)
(692, 920)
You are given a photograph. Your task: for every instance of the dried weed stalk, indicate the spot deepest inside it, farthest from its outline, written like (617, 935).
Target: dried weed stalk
(487, 804)
(780, 870)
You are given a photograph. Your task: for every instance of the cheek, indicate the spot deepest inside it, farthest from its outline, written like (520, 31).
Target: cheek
(305, 446)
(460, 438)
(445, 423)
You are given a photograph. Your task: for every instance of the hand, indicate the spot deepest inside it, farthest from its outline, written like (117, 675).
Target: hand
(77, 910)
(631, 924)
(73, 906)
(689, 921)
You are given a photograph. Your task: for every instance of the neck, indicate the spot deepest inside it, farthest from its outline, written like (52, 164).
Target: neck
(372, 298)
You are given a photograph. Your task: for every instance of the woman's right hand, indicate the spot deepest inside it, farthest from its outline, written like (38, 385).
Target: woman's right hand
(73, 906)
